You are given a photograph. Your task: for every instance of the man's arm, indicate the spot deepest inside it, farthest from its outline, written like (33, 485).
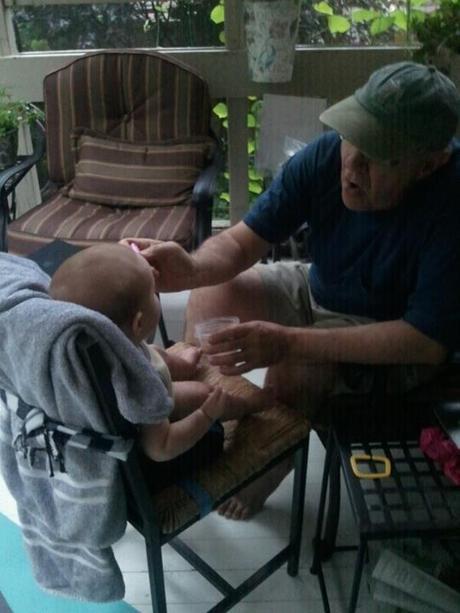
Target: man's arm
(388, 342)
(219, 259)
(225, 255)
(258, 344)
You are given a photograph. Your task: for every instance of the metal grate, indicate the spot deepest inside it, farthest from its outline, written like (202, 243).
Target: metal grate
(416, 498)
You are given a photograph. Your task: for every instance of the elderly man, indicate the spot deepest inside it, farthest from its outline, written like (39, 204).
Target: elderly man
(381, 196)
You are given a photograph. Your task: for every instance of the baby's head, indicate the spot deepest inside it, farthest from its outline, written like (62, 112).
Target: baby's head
(115, 281)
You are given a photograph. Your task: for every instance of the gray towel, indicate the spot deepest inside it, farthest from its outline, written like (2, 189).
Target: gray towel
(68, 521)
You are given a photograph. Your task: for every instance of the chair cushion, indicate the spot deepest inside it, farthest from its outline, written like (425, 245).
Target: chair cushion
(85, 223)
(141, 96)
(117, 172)
(250, 445)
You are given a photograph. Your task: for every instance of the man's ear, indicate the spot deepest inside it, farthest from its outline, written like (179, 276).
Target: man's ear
(433, 162)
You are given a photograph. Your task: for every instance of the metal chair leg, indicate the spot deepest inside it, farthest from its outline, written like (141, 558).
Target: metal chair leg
(316, 567)
(297, 508)
(167, 342)
(317, 540)
(323, 590)
(333, 507)
(359, 565)
(156, 574)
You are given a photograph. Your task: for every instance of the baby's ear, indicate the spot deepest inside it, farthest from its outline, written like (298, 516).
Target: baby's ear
(137, 325)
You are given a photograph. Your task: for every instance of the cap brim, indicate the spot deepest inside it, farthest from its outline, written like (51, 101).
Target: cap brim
(377, 141)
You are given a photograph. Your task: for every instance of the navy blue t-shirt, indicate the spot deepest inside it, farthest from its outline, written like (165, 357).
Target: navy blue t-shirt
(401, 263)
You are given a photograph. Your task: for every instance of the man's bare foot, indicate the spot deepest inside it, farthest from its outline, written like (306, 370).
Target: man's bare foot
(251, 499)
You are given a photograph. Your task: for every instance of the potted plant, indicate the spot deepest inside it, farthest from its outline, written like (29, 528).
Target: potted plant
(439, 36)
(12, 115)
(271, 34)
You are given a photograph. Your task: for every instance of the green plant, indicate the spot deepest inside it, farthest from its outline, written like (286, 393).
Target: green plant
(372, 20)
(256, 180)
(217, 16)
(14, 113)
(439, 34)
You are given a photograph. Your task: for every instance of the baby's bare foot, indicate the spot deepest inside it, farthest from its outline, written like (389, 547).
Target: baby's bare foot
(191, 355)
(184, 366)
(237, 407)
(263, 398)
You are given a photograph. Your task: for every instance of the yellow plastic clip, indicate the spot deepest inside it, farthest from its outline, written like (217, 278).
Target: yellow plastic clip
(364, 457)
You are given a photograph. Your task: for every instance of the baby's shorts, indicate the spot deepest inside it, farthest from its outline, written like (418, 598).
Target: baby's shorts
(162, 474)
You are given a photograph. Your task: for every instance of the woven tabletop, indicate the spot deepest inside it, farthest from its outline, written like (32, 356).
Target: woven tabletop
(250, 445)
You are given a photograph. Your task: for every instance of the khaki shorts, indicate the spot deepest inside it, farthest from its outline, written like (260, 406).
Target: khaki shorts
(291, 303)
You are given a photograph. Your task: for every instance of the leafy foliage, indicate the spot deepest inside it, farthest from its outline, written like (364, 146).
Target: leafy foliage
(440, 31)
(361, 22)
(146, 23)
(171, 23)
(14, 113)
(256, 180)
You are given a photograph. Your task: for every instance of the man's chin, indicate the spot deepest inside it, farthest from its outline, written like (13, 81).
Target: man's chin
(355, 200)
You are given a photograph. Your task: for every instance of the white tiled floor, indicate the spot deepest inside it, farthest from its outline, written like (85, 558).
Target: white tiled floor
(238, 548)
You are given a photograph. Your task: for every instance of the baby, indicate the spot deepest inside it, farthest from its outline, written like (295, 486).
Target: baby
(119, 283)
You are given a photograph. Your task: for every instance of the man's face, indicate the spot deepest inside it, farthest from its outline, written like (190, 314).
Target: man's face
(369, 185)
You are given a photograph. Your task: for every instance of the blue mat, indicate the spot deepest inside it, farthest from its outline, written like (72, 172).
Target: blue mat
(21, 592)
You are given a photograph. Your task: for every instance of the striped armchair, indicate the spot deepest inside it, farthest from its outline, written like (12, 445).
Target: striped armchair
(130, 151)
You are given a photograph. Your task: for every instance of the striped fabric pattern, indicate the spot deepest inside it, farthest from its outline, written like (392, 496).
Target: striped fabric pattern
(39, 433)
(133, 95)
(117, 172)
(85, 223)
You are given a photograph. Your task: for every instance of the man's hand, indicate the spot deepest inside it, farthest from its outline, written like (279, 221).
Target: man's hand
(174, 268)
(241, 348)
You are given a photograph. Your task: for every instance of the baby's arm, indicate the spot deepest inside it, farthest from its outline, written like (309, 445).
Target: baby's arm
(189, 395)
(165, 440)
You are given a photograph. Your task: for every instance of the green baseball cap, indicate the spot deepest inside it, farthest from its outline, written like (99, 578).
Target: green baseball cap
(403, 108)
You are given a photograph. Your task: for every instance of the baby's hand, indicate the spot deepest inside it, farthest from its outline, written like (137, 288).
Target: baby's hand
(216, 405)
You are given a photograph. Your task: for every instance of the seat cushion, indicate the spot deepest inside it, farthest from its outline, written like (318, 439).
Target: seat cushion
(250, 445)
(118, 172)
(85, 223)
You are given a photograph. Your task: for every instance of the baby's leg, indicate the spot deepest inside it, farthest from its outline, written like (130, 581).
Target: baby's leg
(188, 396)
